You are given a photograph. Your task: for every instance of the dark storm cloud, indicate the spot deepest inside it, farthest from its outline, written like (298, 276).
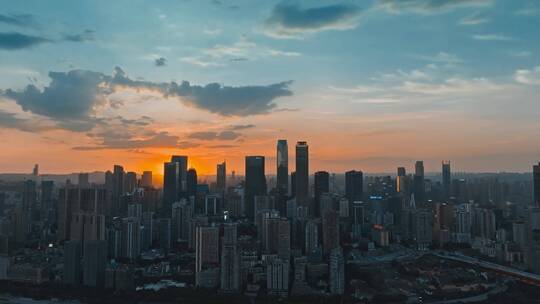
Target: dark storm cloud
(428, 6)
(211, 135)
(16, 41)
(160, 61)
(22, 20)
(288, 20)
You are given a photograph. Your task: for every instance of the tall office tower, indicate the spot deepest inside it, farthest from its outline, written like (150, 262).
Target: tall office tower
(418, 182)
(282, 165)
(147, 234)
(29, 196)
(212, 206)
(117, 190)
(422, 227)
(83, 180)
(293, 184)
(130, 182)
(206, 250)
(337, 272)
(277, 277)
(357, 214)
(330, 227)
(255, 183)
(446, 179)
(72, 263)
(401, 186)
(302, 173)
(164, 233)
(312, 236)
(182, 213)
(354, 187)
(94, 262)
(322, 185)
(47, 197)
(87, 226)
(131, 232)
(230, 259)
(35, 172)
(191, 182)
(536, 181)
(146, 179)
(174, 182)
(284, 239)
(221, 176)
(270, 231)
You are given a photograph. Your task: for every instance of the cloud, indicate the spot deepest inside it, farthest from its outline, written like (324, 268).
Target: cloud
(212, 32)
(528, 10)
(16, 41)
(71, 98)
(241, 127)
(492, 37)
(289, 21)
(531, 77)
(428, 7)
(87, 35)
(12, 121)
(211, 135)
(23, 20)
(69, 95)
(160, 61)
(473, 20)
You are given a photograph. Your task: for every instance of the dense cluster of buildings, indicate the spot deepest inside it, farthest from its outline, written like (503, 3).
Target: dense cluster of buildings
(292, 233)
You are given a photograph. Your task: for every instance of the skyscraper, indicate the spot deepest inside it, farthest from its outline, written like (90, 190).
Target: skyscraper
(321, 185)
(146, 179)
(400, 180)
(192, 182)
(418, 182)
(302, 173)
(282, 165)
(354, 187)
(337, 272)
(206, 251)
(446, 179)
(536, 181)
(83, 180)
(330, 227)
(230, 259)
(174, 182)
(221, 176)
(255, 183)
(130, 182)
(94, 261)
(72, 263)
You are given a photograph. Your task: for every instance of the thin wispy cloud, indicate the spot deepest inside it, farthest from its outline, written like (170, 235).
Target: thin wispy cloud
(492, 37)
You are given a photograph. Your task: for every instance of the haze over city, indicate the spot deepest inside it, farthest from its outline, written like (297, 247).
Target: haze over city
(369, 84)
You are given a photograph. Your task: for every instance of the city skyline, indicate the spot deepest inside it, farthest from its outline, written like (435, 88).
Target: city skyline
(220, 80)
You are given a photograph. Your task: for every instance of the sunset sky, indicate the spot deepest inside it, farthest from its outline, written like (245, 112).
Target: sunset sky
(370, 85)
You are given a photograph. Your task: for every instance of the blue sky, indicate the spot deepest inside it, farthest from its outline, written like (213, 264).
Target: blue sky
(367, 77)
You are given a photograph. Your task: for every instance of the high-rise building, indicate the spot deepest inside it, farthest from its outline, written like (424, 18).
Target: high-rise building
(321, 185)
(282, 165)
(418, 182)
(312, 236)
(131, 232)
(206, 247)
(182, 213)
(337, 272)
(446, 179)
(255, 183)
(146, 179)
(130, 182)
(117, 190)
(83, 180)
(174, 182)
(192, 182)
(330, 227)
(72, 263)
(94, 262)
(401, 184)
(277, 277)
(302, 173)
(221, 176)
(354, 187)
(230, 259)
(536, 182)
